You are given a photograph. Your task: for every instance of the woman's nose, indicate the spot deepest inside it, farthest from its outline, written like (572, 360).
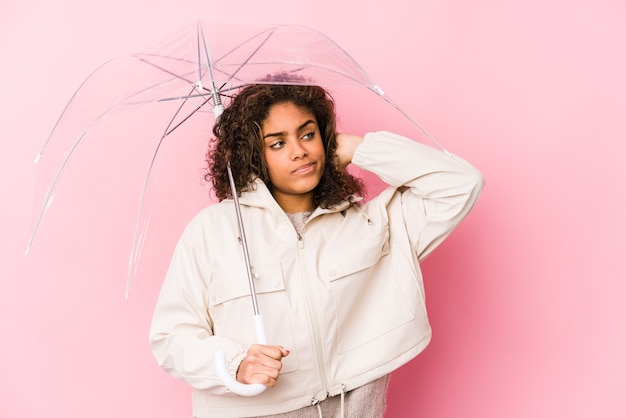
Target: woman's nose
(298, 151)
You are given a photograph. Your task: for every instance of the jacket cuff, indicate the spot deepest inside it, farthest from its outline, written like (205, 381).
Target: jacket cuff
(234, 362)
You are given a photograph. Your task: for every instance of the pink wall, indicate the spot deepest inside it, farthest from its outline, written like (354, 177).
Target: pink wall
(526, 298)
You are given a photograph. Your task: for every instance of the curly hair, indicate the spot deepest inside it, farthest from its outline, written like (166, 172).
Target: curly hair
(238, 139)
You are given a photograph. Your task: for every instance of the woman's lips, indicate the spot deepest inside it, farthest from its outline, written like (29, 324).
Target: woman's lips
(303, 169)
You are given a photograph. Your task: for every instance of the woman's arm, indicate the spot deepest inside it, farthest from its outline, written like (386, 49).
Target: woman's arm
(438, 189)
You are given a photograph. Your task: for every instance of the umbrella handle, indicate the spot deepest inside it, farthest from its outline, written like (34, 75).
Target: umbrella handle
(230, 382)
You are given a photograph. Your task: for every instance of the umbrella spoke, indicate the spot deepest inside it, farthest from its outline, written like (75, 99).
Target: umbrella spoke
(254, 52)
(65, 110)
(50, 192)
(168, 131)
(174, 75)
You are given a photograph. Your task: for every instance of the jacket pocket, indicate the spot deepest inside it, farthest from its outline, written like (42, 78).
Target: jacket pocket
(231, 307)
(233, 284)
(368, 303)
(352, 257)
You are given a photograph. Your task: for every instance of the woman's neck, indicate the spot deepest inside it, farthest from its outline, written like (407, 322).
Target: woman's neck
(295, 203)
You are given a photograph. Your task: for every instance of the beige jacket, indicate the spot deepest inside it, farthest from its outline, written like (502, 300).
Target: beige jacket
(345, 296)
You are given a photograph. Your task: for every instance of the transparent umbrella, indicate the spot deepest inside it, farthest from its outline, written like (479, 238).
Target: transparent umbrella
(124, 164)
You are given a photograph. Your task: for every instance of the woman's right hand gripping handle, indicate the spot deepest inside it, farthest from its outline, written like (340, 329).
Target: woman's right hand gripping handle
(258, 370)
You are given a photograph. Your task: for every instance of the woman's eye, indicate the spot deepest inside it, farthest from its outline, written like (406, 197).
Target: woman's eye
(277, 145)
(310, 135)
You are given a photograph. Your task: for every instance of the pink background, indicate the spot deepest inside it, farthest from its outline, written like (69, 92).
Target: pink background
(526, 297)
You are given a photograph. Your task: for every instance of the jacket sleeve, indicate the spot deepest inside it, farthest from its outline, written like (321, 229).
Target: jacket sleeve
(438, 189)
(181, 335)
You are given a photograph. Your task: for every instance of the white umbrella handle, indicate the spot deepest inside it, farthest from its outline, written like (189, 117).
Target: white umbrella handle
(230, 382)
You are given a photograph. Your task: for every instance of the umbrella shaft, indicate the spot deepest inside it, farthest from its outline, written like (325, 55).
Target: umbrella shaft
(244, 242)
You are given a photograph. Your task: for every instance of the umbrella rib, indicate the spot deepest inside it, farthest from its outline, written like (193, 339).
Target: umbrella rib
(158, 67)
(221, 91)
(234, 74)
(198, 33)
(418, 126)
(256, 35)
(200, 106)
(208, 56)
(56, 125)
(49, 194)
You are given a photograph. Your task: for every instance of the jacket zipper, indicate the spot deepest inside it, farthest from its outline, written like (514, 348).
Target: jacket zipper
(319, 352)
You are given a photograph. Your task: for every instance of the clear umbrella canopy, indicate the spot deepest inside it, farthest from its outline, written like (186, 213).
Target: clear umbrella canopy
(125, 163)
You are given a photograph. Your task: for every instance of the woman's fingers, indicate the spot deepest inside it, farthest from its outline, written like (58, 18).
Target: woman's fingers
(346, 145)
(262, 365)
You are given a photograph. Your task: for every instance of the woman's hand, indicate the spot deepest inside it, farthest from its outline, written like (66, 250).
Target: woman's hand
(262, 364)
(346, 145)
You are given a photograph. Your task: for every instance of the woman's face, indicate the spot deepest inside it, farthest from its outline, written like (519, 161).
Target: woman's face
(294, 153)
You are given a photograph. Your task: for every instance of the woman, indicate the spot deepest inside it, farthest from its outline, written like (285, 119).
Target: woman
(338, 280)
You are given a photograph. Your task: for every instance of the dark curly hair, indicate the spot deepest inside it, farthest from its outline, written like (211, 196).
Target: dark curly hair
(238, 139)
